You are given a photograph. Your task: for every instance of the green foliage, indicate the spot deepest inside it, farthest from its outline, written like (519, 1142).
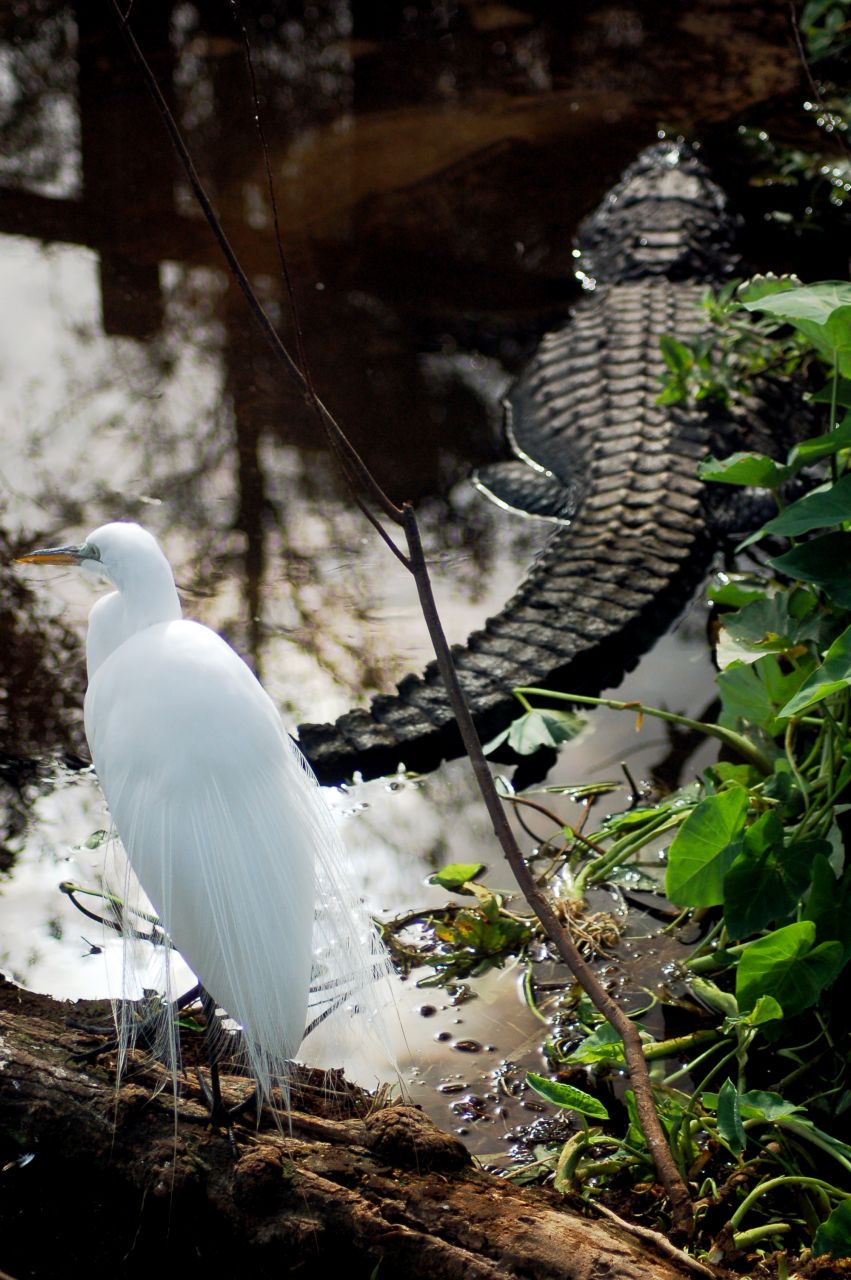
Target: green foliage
(602, 1045)
(831, 677)
(828, 504)
(834, 1235)
(826, 28)
(822, 313)
(768, 878)
(755, 845)
(809, 181)
(718, 365)
(543, 728)
(566, 1095)
(730, 1128)
(457, 942)
(795, 322)
(756, 693)
(457, 875)
(824, 562)
(788, 965)
(472, 940)
(704, 848)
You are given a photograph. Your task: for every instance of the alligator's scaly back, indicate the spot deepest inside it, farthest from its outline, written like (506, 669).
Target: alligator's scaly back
(595, 453)
(665, 217)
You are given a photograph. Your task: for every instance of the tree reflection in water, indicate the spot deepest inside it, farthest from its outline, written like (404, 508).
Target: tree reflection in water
(431, 163)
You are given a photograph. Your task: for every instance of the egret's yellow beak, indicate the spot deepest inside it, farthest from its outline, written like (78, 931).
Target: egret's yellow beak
(52, 555)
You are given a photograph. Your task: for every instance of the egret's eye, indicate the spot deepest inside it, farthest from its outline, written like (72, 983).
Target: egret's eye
(92, 552)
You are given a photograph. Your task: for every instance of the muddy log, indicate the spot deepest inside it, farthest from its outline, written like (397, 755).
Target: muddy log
(95, 1183)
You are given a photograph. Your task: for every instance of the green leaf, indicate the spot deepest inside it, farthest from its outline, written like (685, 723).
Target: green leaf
(831, 339)
(676, 355)
(788, 965)
(768, 878)
(566, 1095)
(763, 286)
(729, 1118)
(822, 312)
(833, 674)
(755, 692)
(475, 938)
(829, 904)
(836, 343)
(746, 469)
(734, 592)
(777, 623)
(543, 729)
(539, 728)
(834, 1235)
(815, 303)
(703, 849)
(674, 391)
(827, 505)
(456, 874)
(825, 394)
(824, 561)
(823, 446)
(726, 771)
(758, 1104)
(602, 1045)
(766, 1009)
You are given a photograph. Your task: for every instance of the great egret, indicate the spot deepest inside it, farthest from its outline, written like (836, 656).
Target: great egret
(219, 813)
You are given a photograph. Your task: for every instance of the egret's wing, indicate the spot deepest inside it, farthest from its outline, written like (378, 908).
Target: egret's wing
(351, 996)
(227, 832)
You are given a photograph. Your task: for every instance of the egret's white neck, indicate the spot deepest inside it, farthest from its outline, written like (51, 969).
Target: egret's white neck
(146, 596)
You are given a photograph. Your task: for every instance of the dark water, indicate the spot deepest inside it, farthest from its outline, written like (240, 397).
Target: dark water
(431, 163)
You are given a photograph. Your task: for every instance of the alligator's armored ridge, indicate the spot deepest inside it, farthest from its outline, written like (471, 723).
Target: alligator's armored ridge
(595, 453)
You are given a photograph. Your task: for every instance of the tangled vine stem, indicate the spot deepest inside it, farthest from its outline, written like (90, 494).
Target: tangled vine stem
(362, 479)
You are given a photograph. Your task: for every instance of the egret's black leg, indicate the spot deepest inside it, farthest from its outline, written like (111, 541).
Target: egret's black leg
(220, 1115)
(146, 1033)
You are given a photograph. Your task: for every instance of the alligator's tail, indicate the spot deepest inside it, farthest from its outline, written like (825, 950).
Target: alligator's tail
(601, 609)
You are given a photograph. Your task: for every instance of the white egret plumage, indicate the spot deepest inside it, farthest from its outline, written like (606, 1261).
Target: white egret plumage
(221, 818)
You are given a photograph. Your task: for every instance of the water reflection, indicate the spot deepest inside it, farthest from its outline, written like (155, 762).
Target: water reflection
(432, 161)
(430, 167)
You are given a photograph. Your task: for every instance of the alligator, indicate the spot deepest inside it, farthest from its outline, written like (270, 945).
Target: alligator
(595, 453)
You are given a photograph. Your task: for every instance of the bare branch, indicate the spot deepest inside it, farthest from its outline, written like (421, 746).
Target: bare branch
(668, 1173)
(355, 468)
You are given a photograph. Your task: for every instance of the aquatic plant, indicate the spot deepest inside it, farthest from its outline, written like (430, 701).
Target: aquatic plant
(754, 1100)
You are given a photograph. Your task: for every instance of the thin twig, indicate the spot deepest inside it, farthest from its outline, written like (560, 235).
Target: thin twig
(667, 1171)
(658, 1241)
(565, 826)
